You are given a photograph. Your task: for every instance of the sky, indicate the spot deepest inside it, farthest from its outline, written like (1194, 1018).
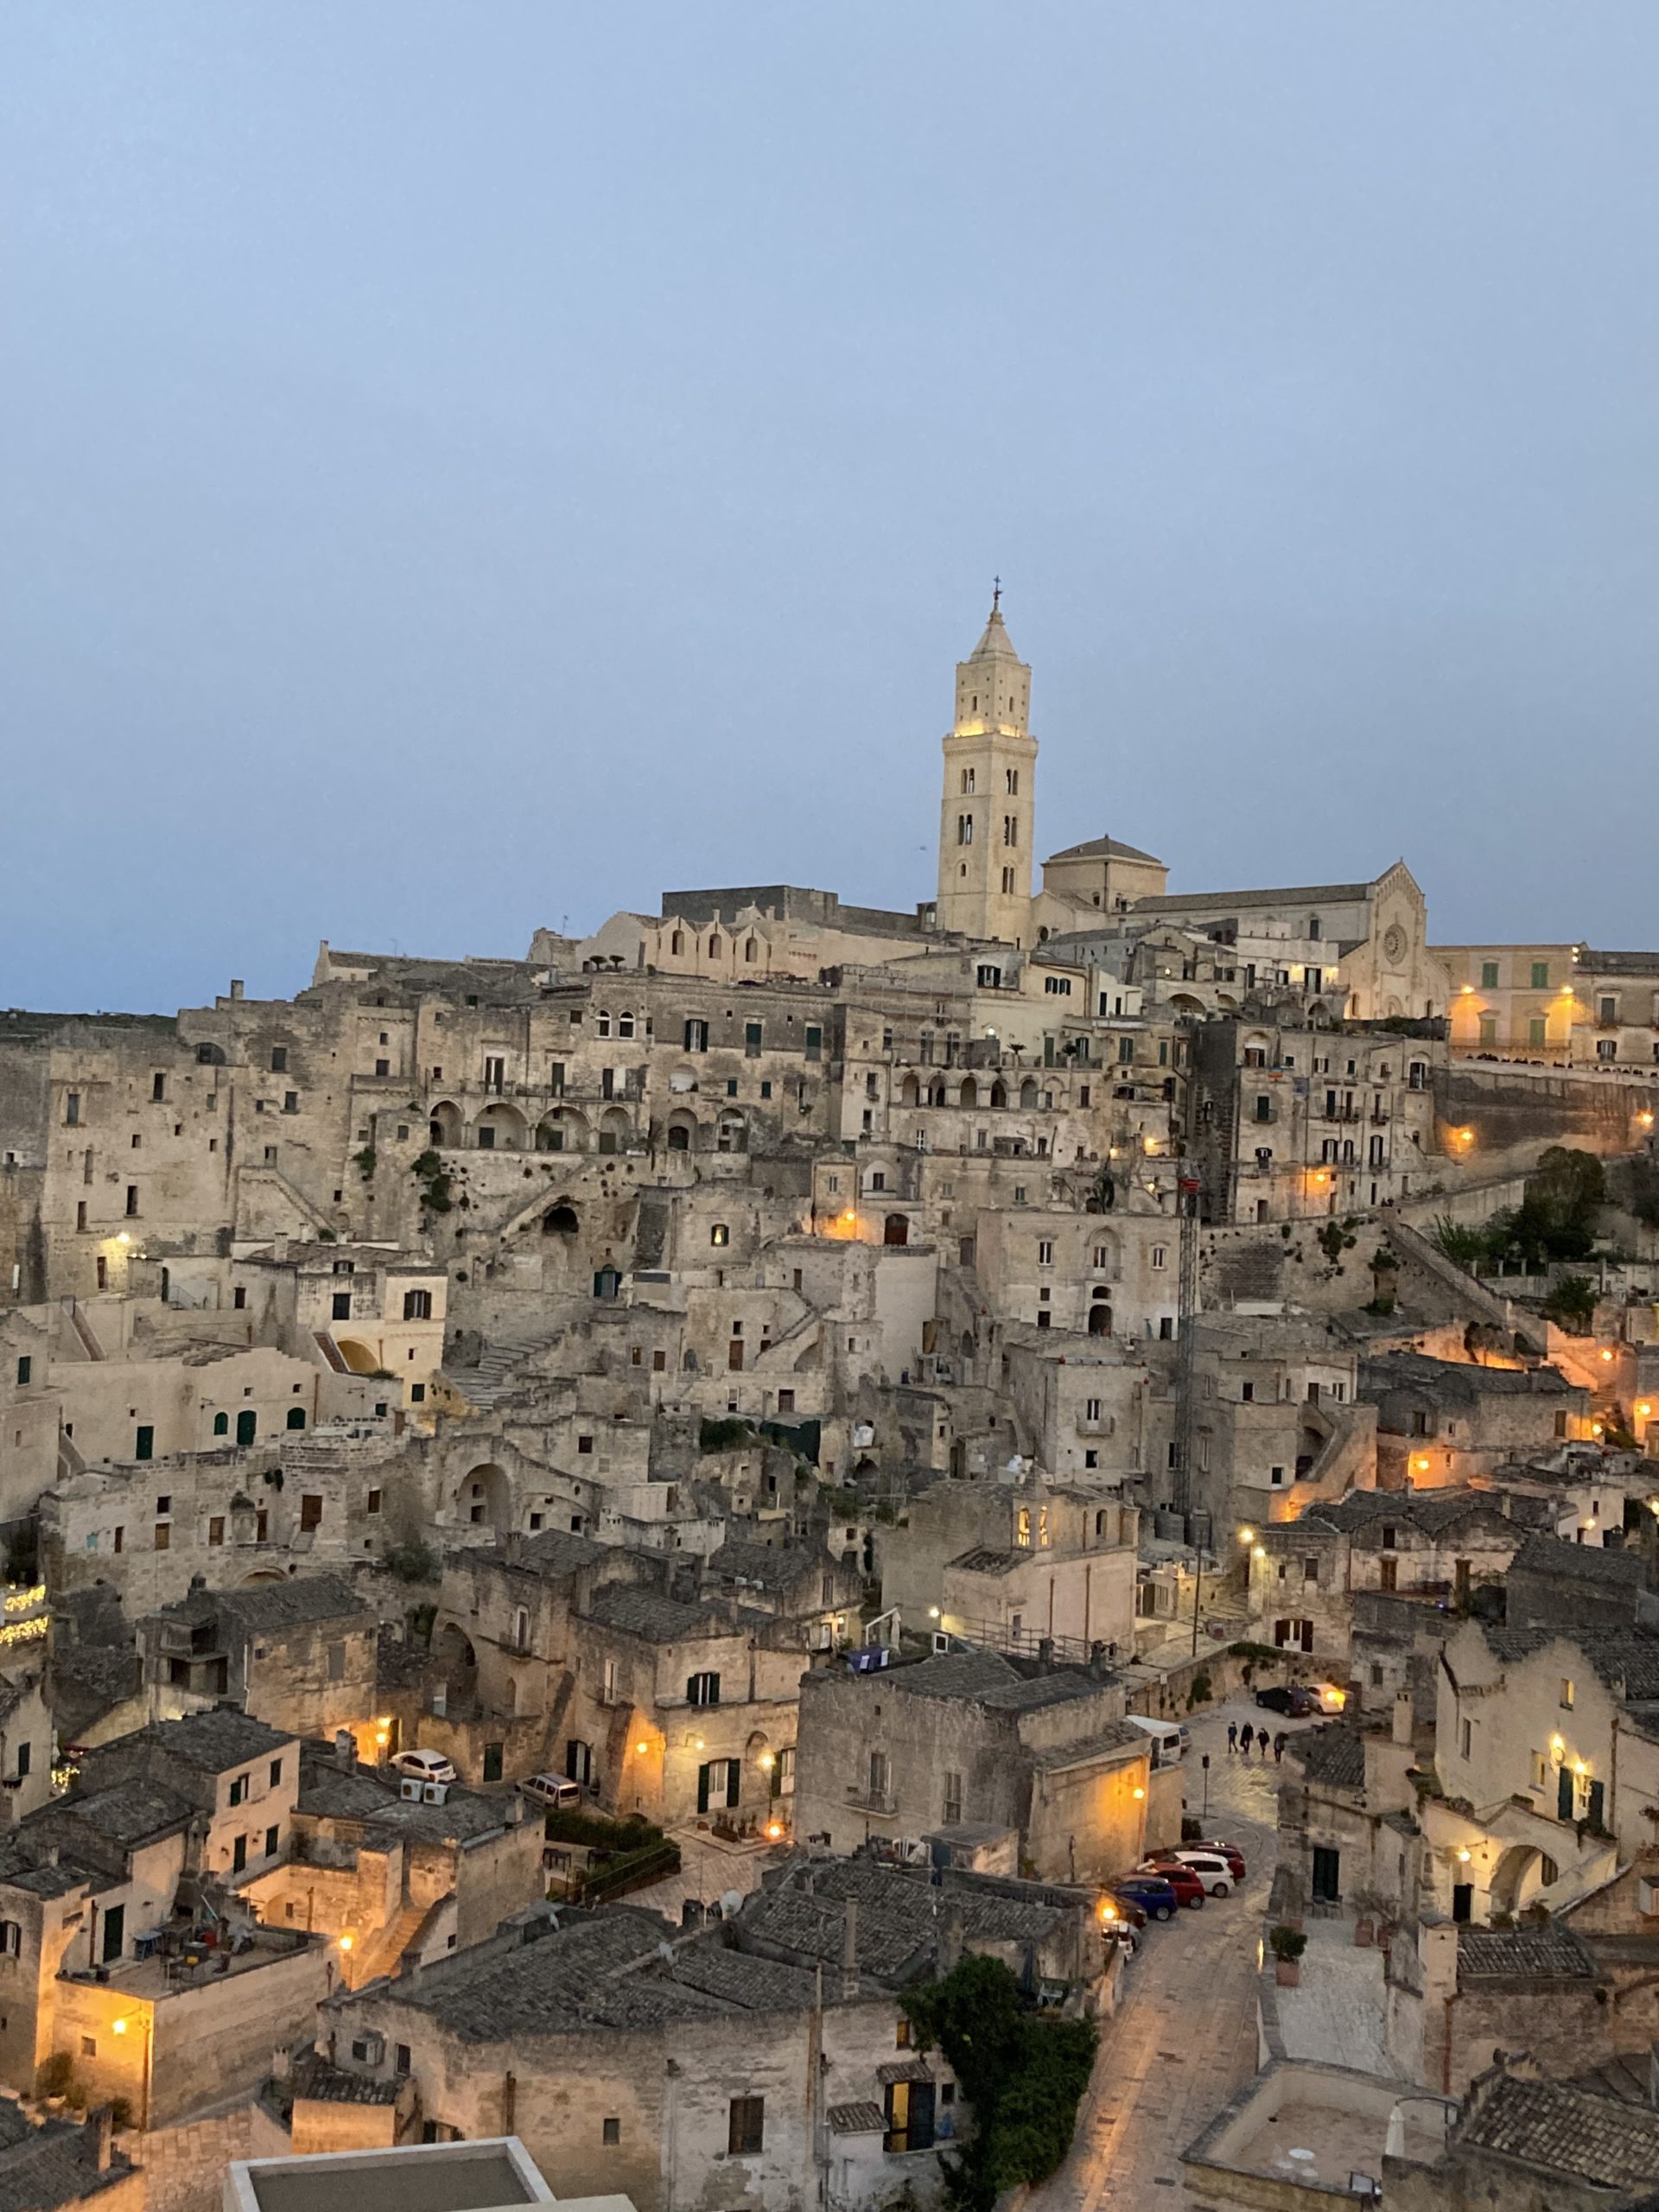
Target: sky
(473, 468)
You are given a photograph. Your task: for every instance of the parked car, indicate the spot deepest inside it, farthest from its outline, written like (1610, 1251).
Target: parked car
(552, 1790)
(1290, 1699)
(1189, 1887)
(1150, 1893)
(1229, 1852)
(1211, 1869)
(1117, 1911)
(423, 1766)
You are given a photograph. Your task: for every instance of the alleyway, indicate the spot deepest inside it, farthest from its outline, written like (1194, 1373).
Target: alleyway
(1184, 2041)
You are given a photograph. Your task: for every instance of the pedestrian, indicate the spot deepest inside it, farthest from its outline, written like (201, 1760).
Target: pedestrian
(1263, 1740)
(1232, 1738)
(1279, 1747)
(1247, 1738)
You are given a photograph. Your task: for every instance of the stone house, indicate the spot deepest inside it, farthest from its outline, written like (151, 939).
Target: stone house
(1012, 1563)
(299, 1655)
(1440, 1422)
(47, 2165)
(239, 1777)
(980, 1740)
(1308, 1576)
(1277, 1425)
(1534, 2145)
(391, 1877)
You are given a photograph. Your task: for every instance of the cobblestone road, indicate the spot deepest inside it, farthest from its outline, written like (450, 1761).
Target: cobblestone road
(1184, 2041)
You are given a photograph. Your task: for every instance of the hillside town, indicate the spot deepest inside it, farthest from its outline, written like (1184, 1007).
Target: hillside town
(602, 1543)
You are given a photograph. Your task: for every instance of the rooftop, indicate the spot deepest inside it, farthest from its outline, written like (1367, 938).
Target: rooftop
(1105, 848)
(214, 1741)
(267, 1606)
(1457, 1381)
(1552, 1954)
(1566, 2130)
(990, 1679)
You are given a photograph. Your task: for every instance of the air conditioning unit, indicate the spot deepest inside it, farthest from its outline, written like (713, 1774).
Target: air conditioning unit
(369, 2049)
(410, 1786)
(434, 1792)
(941, 1642)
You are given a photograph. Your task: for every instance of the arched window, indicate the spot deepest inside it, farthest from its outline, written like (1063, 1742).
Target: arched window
(720, 1234)
(521, 1628)
(625, 1025)
(713, 948)
(748, 947)
(676, 943)
(221, 1424)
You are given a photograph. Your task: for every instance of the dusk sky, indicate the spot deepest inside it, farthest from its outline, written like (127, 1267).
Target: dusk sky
(474, 467)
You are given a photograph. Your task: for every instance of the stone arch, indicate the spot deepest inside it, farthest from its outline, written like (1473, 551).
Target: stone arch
(681, 1129)
(501, 1128)
(457, 1661)
(1029, 1093)
(1099, 1319)
(561, 1220)
(969, 1095)
(357, 1356)
(485, 1498)
(445, 1126)
(549, 1136)
(1183, 1002)
(615, 1129)
(263, 1575)
(935, 1091)
(910, 1091)
(1519, 1874)
(999, 1092)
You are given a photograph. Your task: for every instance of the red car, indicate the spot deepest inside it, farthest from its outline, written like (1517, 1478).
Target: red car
(1185, 1883)
(1229, 1852)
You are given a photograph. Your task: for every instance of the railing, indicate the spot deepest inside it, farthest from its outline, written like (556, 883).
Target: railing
(880, 1802)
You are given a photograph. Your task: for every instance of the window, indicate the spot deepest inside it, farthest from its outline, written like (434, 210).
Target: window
(702, 1689)
(216, 1529)
(1011, 778)
(143, 1446)
(72, 1109)
(418, 1306)
(1541, 974)
(1465, 1738)
(753, 1032)
(132, 1200)
(273, 1838)
(1160, 1256)
(696, 1036)
(311, 1510)
(25, 1366)
(290, 1101)
(239, 1790)
(342, 1305)
(1537, 1030)
(814, 1044)
(964, 829)
(746, 2128)
(373, 1504)
(1566, 1694)
(720, 1234)
(279, 1059)
(610, 2131)
(1045, 1253)
(1310, 1568)
(967, 783)
(1488, 975)
(1010, 829)
(239, 1297)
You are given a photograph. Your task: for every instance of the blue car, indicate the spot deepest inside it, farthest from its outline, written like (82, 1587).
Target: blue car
(1156, 1898)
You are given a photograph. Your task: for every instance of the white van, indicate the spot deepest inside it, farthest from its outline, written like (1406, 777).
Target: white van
(1170, 1740)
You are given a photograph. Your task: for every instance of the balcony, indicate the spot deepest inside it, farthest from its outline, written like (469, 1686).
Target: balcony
(880, 1802)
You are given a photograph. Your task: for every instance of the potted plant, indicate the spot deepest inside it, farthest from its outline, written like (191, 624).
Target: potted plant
(1286, 1945)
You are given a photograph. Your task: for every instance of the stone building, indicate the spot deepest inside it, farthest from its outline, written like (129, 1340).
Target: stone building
(1441, 1423)
(299, 1655)
(981, 1742)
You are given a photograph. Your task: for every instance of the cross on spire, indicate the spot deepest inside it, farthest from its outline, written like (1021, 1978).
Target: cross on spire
(996, 593)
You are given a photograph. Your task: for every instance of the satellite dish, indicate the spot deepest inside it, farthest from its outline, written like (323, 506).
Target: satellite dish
(732, 1903)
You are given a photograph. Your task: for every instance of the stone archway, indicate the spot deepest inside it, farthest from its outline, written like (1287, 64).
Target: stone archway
(485, 1498)
(1100, 1320)
(1519, 1874)
(501, 1128)
(457, 1661)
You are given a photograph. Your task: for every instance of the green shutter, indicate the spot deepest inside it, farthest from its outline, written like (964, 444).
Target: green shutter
(144, 1444)
(703, 1787)
(734, 1776)
(1564, 1794)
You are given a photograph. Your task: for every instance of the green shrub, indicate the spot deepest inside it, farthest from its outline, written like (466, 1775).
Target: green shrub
(411, 1562)
(724, 1435)
(1572, 1305)
(1023, 2072)
(1286, 1943)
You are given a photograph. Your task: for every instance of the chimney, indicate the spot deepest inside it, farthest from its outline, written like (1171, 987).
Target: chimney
(1098, 1661)
(849, 1950)
(236, 986)
(100, 2129)
(1046, 1654)
(515, 1547)
(951, 1941)
(513, 1810)
(345, 1750)
(1404, 1717)
(282, 2063)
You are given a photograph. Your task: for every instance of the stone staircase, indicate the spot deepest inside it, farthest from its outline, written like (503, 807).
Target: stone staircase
(497, 1371)
(380, 1954)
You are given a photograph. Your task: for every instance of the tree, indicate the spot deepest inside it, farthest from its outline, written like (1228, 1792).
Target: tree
(1023, 2072)
(1572, 1305)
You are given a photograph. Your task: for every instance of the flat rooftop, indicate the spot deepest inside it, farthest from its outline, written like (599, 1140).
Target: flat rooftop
(420, 2177)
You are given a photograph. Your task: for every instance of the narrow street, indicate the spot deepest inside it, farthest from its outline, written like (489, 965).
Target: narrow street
(1184, 2039)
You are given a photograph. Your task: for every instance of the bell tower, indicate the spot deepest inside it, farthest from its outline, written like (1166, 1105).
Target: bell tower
(985, 820)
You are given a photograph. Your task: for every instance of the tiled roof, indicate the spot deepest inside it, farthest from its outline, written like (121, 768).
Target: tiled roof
(315, 2077)
(983, 1560)
(866, 2118)
(776, 1568)
(1457, 1381)
(1549, 1556)
(1334, 1755)
(1430, 1510)
(1626, 1659)
(987, 1678)
(1525, 1953)
(215, 1740)
(1104, 849)
(123, 1813)
(1303, 894)
(659, 1619)
(329, 1791)
(270, 1606)
(1567, 2131)
(1118, 1736)
(55, 2167)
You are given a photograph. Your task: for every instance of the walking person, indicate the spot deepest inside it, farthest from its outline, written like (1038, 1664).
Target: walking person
(1261, 1738)
(1247, 1738)
(1279, 1742)
(1232, 1738)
